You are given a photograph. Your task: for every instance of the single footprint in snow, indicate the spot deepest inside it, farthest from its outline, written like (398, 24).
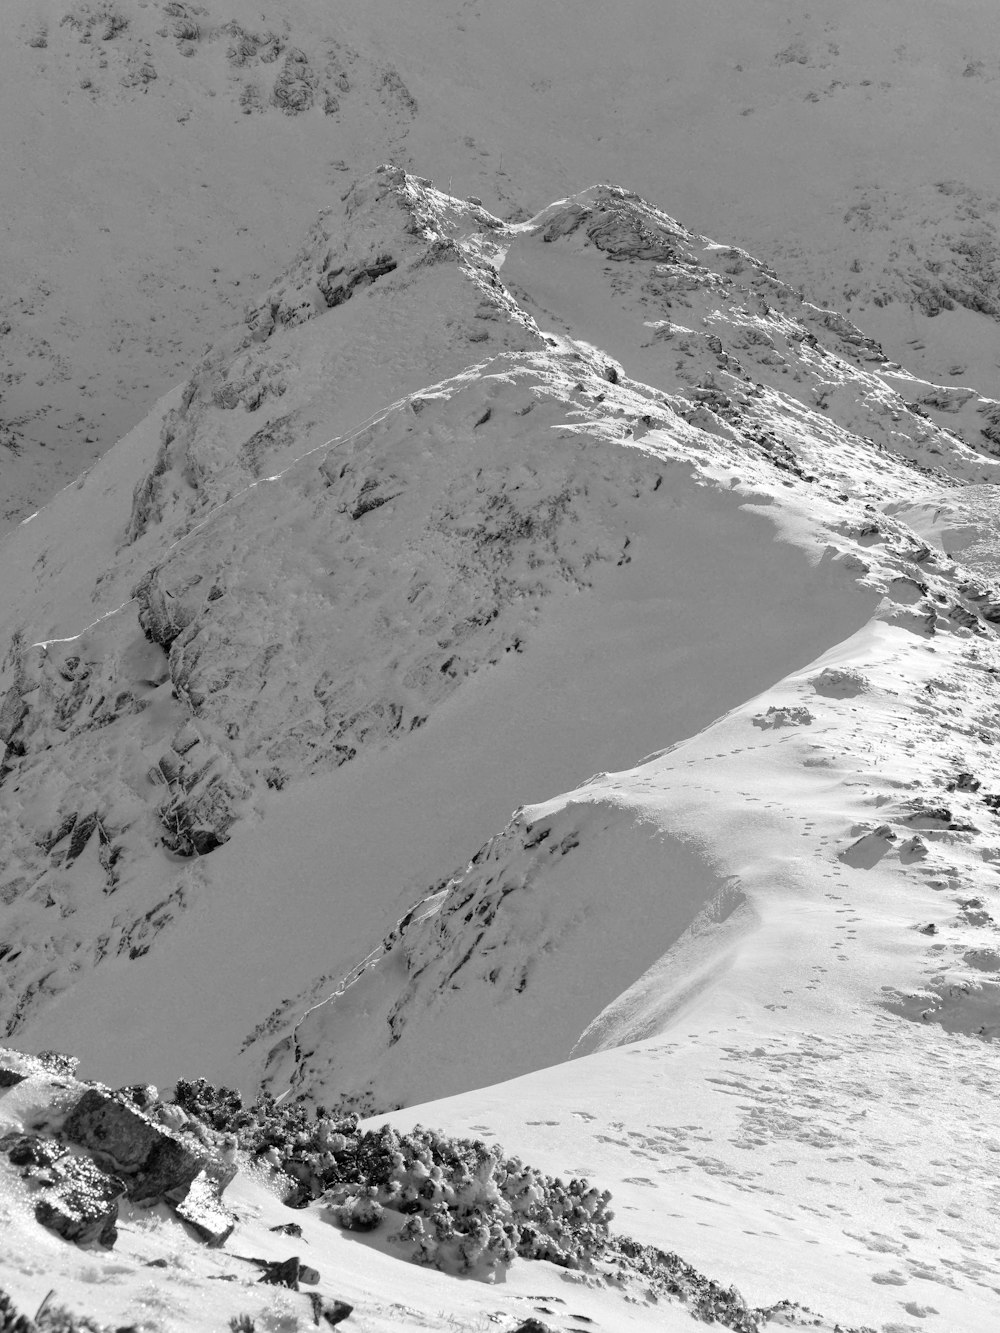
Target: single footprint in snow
(919, 1311)
(584, 1115)
(891, 1278)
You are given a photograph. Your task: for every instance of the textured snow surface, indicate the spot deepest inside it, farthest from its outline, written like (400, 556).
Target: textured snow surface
(592, 519)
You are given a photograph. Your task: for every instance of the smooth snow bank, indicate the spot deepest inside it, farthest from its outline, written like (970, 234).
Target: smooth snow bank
(833, 1159)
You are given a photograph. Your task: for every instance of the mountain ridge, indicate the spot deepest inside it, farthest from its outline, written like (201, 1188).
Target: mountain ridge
(123, 271)
(632, 495)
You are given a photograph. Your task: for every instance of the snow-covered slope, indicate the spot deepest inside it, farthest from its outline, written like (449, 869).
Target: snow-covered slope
(162, 159)
(306, 575)
(463, 513)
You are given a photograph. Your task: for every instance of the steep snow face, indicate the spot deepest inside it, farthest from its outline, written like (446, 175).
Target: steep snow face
(688, 877)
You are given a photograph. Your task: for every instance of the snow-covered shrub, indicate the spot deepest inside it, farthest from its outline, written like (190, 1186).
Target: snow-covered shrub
(288, 1136)
(468, 1206)
(10, 1320)
(218, 1107)
(668, 1274)
(840, 682)
(295, 86)
(457, 1204)
(49, 1319)
(356, 1212)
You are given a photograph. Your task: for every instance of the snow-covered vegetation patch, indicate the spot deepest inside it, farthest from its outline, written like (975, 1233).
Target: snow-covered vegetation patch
(444, 1202)
(458, 1205)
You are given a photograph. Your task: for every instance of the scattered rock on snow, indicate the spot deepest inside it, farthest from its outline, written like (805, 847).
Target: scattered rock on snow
(286, 1273)
(331, 1312)
(783, 717)
(869, 849)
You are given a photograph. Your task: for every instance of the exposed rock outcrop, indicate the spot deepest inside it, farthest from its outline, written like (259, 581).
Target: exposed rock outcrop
(127, 1144)
(153, 1161)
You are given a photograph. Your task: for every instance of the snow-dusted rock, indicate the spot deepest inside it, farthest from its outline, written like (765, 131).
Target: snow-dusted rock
(81, 1203)
(154, 1162)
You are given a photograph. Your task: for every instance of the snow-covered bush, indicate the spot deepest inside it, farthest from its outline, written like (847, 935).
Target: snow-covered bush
(49, 1319)
(457, 1204)
(356, 1212)
(468, 1207)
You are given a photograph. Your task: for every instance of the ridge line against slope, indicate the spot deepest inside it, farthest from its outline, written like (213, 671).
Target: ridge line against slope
(373, 420)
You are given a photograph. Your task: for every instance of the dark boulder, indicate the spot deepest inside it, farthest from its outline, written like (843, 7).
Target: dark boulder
(31, 1150)
(81, 1204)
(332, 1312)
(155, 1162)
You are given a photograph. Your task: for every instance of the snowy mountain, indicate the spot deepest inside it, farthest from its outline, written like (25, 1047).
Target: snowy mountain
(164, 158)
(464, 512)
(272, 609)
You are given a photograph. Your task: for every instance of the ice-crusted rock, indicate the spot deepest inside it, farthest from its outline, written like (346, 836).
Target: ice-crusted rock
(31, 1150)
(81, 1204)
(130, 1148)
(202, 1209)
(154, 1162)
